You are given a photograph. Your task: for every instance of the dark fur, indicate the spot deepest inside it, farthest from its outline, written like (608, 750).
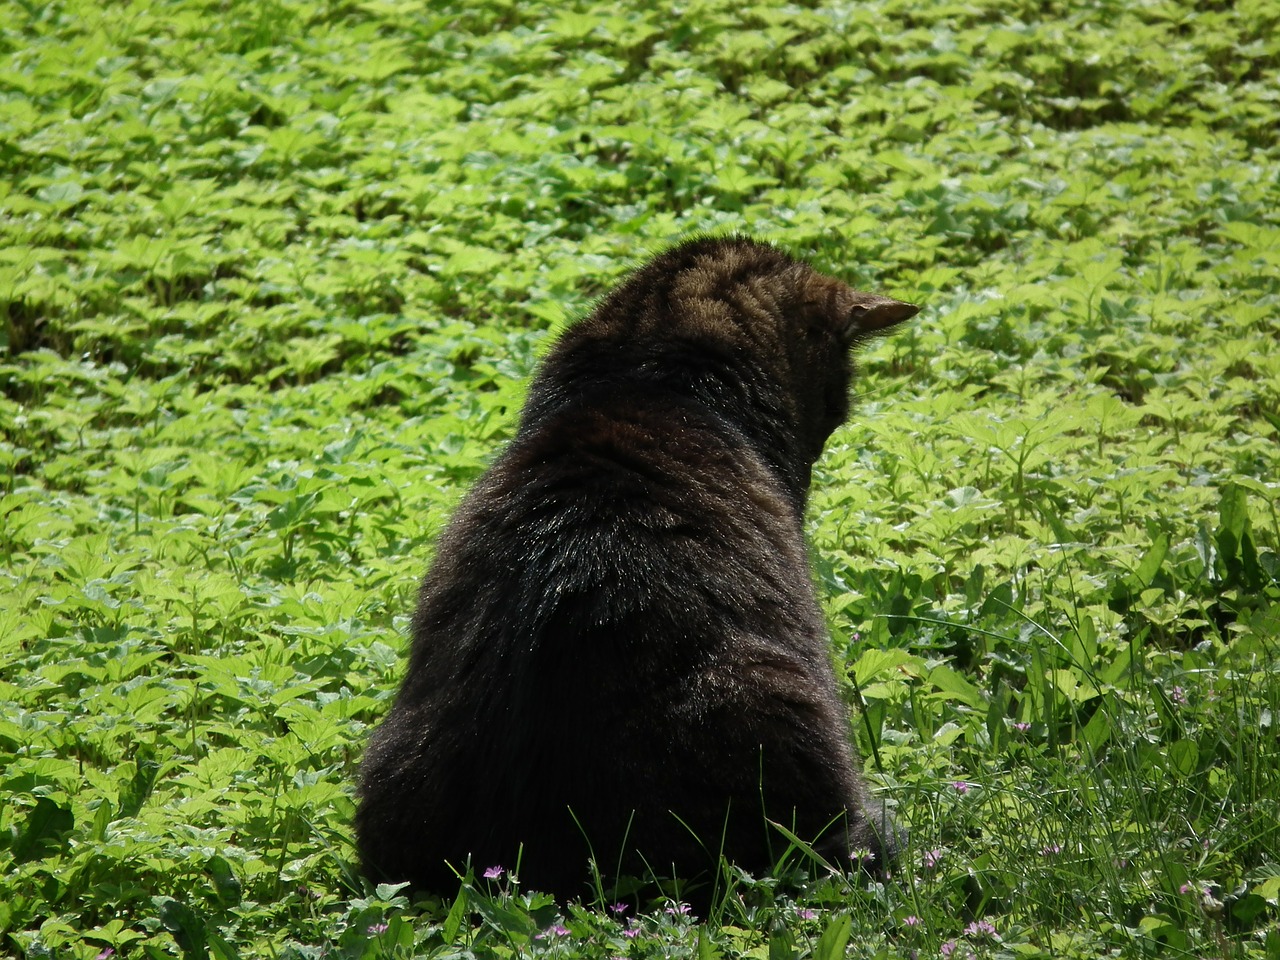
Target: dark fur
(618, 643)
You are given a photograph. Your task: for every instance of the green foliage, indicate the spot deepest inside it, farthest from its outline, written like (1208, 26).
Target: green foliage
(272, 277)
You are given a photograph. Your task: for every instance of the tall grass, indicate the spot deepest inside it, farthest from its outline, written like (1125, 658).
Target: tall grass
(273, 276)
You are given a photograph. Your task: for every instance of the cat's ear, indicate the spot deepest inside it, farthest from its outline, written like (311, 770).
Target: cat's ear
(867, 314)
(854, 315)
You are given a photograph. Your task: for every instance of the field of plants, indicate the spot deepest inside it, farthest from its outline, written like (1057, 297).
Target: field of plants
(274, 275)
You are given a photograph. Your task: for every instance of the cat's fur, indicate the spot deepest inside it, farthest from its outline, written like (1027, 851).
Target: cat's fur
(617, 651)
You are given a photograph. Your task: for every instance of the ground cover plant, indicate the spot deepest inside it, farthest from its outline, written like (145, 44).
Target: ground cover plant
(273, 276)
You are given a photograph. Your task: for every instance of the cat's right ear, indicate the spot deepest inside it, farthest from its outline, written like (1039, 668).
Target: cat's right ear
(870, 313)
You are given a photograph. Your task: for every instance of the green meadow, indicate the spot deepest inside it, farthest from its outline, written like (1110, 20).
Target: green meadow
(274, 276)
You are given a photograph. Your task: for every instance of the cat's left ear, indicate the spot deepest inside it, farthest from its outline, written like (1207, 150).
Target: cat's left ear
(868, 313)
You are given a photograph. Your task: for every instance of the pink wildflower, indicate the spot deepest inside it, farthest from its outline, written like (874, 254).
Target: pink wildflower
(980, 928)
(862, 856)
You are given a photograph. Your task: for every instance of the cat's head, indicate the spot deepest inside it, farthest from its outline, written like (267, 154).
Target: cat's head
(756, 334)
(828, 320)
(777, 315)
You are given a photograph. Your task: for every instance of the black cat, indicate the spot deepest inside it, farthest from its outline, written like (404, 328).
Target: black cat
(617, 652)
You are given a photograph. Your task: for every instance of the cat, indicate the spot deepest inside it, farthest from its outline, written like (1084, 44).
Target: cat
(617, 652)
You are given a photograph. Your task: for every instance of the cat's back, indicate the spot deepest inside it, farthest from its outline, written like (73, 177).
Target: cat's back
(633, 509)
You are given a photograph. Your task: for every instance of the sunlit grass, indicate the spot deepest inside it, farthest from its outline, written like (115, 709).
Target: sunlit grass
(272, 277)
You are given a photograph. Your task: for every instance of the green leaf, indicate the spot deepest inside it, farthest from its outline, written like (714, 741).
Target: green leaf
(782, 945)
(225, 883)
(63, 194)
(1097, 731)
(1248, 908)
(1183, 758)
(45, 831)
(509, 922)
(706, 945)
(101, 821)
(292, 511)
(834, 939)
(1152, 560)
(1131, 586)
(186, 926)
(956, 687)
(1269, 889)
(457, 913)
(142, 772)
(1236, 551)
(392, 893)
(999, 601)
(875, 663)
(221, 947)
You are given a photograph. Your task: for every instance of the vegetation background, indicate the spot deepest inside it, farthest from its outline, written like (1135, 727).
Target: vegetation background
(274, 273)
